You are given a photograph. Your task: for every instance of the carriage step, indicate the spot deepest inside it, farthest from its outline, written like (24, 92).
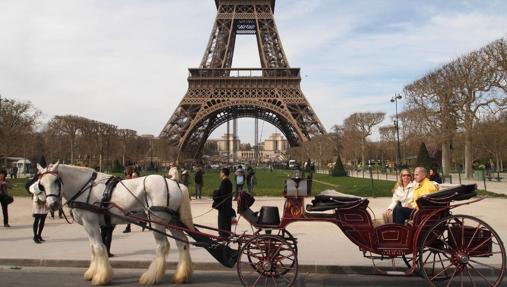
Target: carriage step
(395, 273)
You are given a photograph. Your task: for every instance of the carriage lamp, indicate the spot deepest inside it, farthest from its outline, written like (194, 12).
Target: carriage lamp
(397, 127)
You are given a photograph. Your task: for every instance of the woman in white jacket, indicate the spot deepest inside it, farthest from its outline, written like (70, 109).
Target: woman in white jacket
(39, 211)
(402, 193)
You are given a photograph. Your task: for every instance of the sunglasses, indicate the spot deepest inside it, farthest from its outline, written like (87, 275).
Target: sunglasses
(406, 175)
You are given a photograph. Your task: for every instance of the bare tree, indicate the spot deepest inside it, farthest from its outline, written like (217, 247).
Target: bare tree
(68, 126)
(474, 79)
(17, 122)
(433, 97)
(491, 137)
(126, 137)
(496, 54)
(363, 124)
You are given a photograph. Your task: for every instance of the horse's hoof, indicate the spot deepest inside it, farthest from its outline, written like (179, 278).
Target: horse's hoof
(180, 279)
(147, 280)
(88, 276)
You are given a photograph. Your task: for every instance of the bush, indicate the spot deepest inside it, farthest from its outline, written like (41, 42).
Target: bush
(423, 157)
(338, 169)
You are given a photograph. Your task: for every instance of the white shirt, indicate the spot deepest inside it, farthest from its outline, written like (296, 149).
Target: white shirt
(403, 195)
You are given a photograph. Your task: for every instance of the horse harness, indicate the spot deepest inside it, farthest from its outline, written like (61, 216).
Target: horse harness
(104, 205)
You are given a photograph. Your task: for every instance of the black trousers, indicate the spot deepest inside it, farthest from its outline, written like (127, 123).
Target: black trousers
(400, 214)
(5, 211)
(107, 236)
(224, 222)
(38, 224)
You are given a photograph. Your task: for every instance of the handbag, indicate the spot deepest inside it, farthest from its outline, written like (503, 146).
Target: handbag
(8, 198)
(216, 199)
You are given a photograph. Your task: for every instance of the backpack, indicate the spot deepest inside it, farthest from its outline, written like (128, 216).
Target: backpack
(240, 179)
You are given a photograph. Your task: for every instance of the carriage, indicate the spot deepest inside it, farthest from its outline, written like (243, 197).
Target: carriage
(445, 248)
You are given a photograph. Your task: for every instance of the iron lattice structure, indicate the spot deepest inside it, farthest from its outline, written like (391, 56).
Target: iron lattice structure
(218, 93)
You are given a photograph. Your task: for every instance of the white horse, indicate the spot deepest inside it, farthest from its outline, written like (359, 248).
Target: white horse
(77, 184)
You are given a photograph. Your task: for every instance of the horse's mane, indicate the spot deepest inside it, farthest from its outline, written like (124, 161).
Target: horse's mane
(81, 168)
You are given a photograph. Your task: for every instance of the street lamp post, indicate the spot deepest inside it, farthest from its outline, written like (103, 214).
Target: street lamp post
(396, 125)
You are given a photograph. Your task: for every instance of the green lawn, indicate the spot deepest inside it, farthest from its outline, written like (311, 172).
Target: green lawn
(271, 184)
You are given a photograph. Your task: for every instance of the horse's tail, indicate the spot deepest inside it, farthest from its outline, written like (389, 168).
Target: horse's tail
(185, 211)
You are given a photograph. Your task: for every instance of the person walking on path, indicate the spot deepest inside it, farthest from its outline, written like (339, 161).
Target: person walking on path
(222, 201)
(198, 179)
(39, 212)
(4, 196)
(185, 180)
(173, 172)
(251, 179)
(240, 181)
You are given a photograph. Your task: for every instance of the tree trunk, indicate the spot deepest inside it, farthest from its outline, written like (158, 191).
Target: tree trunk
(100, 162)
(363, 148)
(468, 155)
(446, 158)
(71, 151)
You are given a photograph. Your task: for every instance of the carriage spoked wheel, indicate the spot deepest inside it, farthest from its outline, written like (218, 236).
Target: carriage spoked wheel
(462, 250)
(291, 240)
(267, 260)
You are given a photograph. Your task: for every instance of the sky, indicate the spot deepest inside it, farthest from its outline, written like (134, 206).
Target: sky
(125, 62)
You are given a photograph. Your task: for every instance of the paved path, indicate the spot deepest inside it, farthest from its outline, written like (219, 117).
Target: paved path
(319, 244)
(72, 277)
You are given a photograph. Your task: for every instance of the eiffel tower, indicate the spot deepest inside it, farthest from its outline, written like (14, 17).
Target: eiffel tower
(218, 93)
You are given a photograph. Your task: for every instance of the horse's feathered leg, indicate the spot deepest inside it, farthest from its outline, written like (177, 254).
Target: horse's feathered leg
(156, 271)
(88, 275)
(100, 266)
(184, 268)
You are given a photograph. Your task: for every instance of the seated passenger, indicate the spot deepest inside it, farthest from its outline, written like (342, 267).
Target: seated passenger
(422, 187)
(402, 194)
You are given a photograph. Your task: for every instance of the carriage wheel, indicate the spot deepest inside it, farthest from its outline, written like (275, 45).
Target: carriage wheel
(267, 260)
(291, 240)
(462, 250)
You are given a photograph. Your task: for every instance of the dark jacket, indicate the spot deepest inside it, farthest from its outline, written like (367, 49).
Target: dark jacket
(222, 197)
(198, 177)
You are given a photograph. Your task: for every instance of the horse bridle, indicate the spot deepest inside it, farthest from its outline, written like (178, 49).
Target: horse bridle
(58, 181)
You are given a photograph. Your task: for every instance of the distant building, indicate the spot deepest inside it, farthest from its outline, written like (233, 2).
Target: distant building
(272, 149)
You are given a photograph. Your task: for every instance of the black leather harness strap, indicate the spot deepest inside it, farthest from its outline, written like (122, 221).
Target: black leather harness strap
(88, 185)
(106, 197)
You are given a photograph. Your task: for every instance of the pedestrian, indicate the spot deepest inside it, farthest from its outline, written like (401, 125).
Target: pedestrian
(173, 172)
(14, 173)
(199, 182)
(434, 176)
(39, 212)
(60, 213)
(130, 172)
(222, 201)
(240, 181)
(5, 197)
(251, 179)
(185, 178)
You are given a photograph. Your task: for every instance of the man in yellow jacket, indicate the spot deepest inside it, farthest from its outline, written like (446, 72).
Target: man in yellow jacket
(423, 186)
